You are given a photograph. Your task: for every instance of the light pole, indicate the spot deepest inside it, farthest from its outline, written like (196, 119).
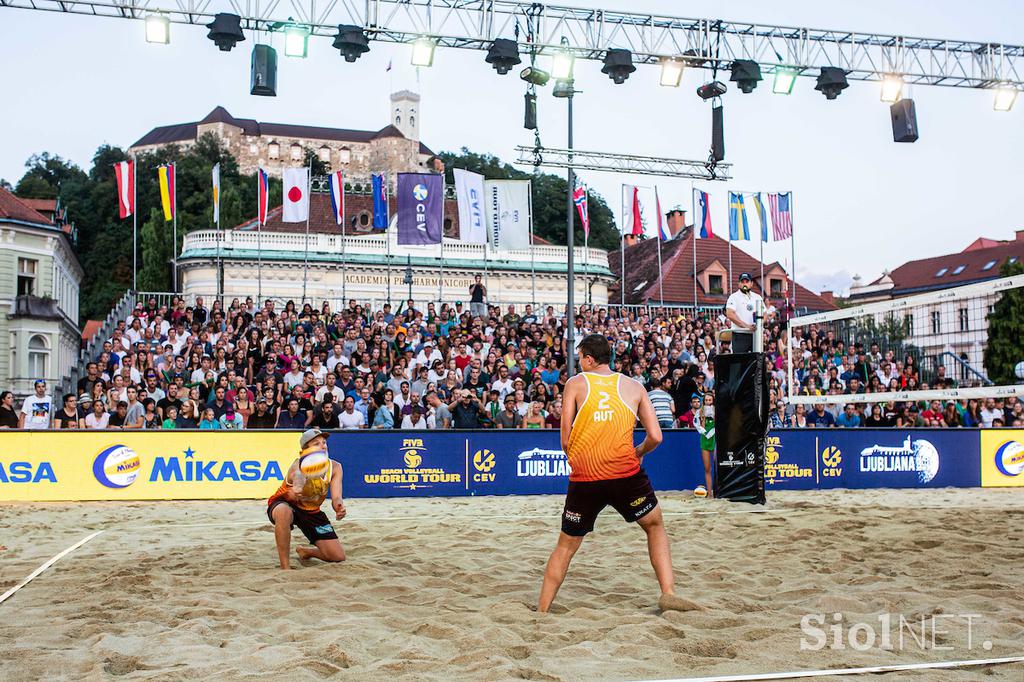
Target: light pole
(565, 89)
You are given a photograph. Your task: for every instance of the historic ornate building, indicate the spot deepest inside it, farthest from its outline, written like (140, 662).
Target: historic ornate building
(395, 148)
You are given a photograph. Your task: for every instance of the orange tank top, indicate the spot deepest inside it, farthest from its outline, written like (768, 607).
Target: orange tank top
(601, 438)
(310, 502)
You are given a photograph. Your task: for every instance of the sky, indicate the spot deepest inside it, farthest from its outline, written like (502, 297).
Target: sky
(862, 203)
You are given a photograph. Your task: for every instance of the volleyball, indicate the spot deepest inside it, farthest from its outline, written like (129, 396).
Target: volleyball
(315, 464)
(700, 491)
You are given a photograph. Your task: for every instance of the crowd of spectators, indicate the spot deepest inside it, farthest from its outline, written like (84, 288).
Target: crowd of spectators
(182, 366)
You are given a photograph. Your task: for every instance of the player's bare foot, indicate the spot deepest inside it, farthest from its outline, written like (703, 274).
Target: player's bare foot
(303, 552)
(673, 602)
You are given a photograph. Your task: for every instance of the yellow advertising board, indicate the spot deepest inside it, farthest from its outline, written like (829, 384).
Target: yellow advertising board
(1002, 458)
(144, 465)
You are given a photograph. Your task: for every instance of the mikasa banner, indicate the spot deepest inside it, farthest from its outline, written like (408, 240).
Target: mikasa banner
(144, 465)
(508, 213)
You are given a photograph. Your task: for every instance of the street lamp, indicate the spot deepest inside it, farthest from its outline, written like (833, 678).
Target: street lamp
(564, 89)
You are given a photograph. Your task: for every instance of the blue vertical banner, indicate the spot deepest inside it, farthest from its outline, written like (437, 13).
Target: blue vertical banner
(420, 208)
(380, 202)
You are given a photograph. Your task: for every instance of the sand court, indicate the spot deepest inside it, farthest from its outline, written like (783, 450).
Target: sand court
(446, 588)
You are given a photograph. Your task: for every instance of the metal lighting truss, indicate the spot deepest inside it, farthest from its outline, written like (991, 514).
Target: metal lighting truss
(621, 163)
(710, 43)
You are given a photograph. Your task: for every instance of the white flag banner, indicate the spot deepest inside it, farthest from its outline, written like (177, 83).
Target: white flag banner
(296, 195)
(469, 188)
(216, 193)
(508, 213)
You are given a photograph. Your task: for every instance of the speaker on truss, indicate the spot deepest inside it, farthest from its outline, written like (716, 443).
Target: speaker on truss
(741, 425)
(904, 121)
(263, 80)
(717, 133)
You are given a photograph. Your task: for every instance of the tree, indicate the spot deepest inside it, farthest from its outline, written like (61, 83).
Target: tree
(1005, 331)
(549, 199)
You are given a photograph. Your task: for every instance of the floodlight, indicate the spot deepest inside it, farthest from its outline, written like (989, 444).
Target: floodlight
(296, 41)
(892, 88)
(158, 29)
(1006, 95)
(423, 52)
(784, 80)
(671, 72)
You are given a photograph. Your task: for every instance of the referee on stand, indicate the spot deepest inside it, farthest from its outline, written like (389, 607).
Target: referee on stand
(741, 308)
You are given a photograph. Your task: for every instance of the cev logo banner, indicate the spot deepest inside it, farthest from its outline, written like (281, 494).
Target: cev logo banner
(1002, 458)
(118, 465)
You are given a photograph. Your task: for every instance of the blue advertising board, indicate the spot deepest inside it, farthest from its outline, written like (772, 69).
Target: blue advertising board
(520, 462)
(809, 459)
(495, 462)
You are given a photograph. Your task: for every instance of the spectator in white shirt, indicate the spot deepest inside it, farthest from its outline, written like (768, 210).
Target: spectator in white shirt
(331, 386)
(337, 357)
(37, 410)
(416, 421)
(351, 418)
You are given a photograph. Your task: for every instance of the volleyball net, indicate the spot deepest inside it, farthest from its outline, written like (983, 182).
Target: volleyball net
(929, 346)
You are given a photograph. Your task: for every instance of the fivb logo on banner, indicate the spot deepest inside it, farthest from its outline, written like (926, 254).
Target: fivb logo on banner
(420, 208)
(469, 188)
(508, 213)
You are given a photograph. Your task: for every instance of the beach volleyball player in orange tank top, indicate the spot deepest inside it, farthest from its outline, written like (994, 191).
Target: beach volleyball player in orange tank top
(600, 409)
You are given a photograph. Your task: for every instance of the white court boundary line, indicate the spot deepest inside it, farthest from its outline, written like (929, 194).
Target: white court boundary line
(849, 671)
(442, 517)
(54, 559)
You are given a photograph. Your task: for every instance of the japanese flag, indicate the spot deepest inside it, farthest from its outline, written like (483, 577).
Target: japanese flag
(296, 195)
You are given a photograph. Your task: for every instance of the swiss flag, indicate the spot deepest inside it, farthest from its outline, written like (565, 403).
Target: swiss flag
(296, 195)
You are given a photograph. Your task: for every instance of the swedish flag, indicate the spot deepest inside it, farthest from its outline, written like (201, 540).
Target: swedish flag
(739, 227)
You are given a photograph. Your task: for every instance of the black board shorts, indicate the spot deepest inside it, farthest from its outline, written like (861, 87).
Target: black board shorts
(314, 525)
(633, 497)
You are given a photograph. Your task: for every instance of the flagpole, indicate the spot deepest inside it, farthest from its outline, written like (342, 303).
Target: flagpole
(309, 205)
(762, 260)
(259, 235)
(693, 238)
(586, 262)
(220, 264)
(387, 224)
(440, 265)
(135, 222)
(533, 265)
(661, 285)
(792, 251)
(174, 234)
(344, 258)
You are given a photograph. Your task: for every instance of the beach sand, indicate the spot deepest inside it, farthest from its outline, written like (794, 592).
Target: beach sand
(445, 589)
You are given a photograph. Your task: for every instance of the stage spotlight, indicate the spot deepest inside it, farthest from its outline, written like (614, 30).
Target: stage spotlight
(423, 52)
(225, 31)
(158, 29)
(671, 72)
(1006, 95)
(562, 64)
(564, 88)
(746, 73)
(784, 80)
(711, 90)
(263, 78)
(296, 41)
(503, 54)
(831, 81)
(892, 88)
(351, 42)
(534, 76)
(618, 64)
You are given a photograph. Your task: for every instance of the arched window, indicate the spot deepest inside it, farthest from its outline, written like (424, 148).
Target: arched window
(296, 152)
(273, 150)
(398, 120)
(364, 218)
(325, 154)
(38, 356)
(412, 120)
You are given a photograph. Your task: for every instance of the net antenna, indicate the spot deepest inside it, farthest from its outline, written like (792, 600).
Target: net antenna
(944, 333)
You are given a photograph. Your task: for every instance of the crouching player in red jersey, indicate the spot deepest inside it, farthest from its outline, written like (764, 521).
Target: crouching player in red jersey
(297, 502)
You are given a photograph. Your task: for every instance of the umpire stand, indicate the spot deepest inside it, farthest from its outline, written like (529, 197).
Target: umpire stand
(741, 421)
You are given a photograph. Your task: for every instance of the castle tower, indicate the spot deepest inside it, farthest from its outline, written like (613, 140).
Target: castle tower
(405, 113)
